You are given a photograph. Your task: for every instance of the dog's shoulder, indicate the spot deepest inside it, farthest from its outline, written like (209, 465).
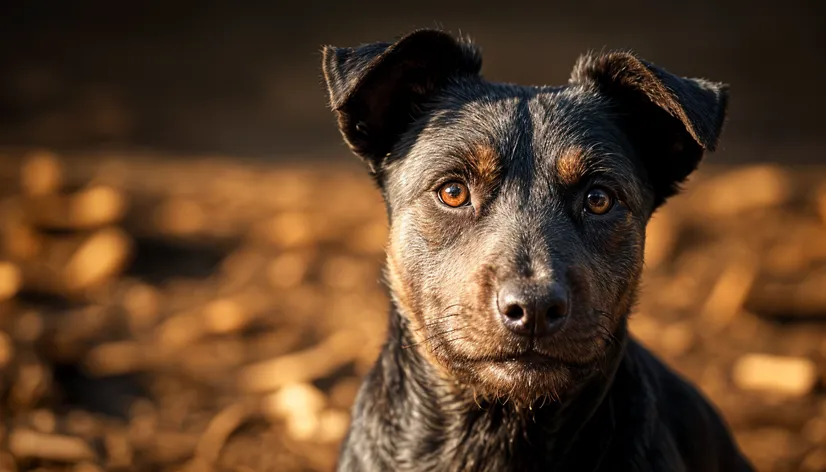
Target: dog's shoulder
(684, 418)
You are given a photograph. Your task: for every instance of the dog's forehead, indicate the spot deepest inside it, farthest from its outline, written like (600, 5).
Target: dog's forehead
(553, 132)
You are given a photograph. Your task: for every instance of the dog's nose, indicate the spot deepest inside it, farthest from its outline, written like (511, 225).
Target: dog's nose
(529, 309)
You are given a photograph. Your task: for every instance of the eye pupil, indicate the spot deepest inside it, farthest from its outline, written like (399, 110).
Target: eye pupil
(598, 201)
(454, 194)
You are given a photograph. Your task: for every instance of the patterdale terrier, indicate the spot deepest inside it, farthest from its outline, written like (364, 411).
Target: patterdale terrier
(517, 226)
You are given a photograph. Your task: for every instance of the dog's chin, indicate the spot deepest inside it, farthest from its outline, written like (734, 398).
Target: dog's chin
(524, 379)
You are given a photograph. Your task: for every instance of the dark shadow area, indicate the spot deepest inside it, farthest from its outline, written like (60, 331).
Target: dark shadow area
(110, 396)
(157, 260)
(244, 79)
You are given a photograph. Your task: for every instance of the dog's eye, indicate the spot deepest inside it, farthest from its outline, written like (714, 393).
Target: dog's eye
(598, 201)
(454, 194)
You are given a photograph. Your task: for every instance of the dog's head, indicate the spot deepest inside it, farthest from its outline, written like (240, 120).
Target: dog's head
(517, 213)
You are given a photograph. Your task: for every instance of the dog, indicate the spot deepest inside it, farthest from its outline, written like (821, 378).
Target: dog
(517, 226)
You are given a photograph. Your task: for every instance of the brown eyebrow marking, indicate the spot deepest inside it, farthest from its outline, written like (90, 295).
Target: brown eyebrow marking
(570, 166)
(485, 162)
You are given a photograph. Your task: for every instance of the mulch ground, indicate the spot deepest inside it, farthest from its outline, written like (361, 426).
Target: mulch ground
(163, 314)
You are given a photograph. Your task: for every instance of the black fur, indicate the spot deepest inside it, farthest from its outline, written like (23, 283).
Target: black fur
(456, 389)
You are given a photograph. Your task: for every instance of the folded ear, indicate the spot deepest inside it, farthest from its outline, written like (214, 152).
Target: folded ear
(670, 120)
(376, 89)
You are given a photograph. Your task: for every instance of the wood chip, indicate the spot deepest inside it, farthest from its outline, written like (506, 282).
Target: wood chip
(66, 265)
(288, 269)
(729, 294)
(142, 304)
(41, 173)
(660, 237)
(287, 230)
(300, 398)
(6, 350)
(82, 423)
(677, 338)
(179, 330)
(173, 446)
(20, 241)
(98, 258)
(28, 444)
(89, 208)
(116, 358)
(119, 451)
(219, 430)
(332, 426)
(180, 217)
(43, 421)
(787, 376)
(742, 190)
(10, 280)
(225, 316)
(335, 351)
(33, 382)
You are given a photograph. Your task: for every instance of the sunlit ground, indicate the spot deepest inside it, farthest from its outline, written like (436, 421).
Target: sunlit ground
(210, 314)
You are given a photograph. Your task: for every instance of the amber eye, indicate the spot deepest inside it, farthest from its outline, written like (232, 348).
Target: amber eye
(454, 194)
(598, 201)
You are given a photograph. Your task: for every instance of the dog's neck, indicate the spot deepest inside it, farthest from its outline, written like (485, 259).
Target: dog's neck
(422, 421)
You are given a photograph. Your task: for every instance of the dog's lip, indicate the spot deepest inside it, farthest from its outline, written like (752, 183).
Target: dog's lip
(532, 356)
(528, 356)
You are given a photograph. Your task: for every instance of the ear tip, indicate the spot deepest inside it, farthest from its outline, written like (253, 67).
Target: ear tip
(722, 92)
(332, 61)
(594, 63)
(470, 56)
(332, 55)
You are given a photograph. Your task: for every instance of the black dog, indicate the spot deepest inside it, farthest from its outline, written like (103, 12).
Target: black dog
(517, 230)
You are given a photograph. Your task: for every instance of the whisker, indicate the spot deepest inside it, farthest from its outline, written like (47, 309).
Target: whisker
(444, 344)
(457, 305)
(437, 321)
(429, 338)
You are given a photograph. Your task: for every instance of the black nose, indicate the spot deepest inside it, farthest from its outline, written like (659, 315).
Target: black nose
(529, 309)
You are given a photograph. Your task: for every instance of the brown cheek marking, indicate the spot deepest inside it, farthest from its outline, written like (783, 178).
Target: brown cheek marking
(403, 296)
(570, 166)
(401, 288)
(485, 162)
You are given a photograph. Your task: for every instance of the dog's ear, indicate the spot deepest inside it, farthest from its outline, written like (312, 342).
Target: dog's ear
(376, 90)
(670, 120)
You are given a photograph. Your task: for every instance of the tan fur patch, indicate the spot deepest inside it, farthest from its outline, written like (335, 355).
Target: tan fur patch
(398, 287)
(570, 166)
(485, 162)
(401, 292)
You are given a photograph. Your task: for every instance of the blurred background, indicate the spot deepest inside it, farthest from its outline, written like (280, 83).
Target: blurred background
(190, 257)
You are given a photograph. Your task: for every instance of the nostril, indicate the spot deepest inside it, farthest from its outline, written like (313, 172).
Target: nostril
(557, 310)
(514, 312)
(532, 309)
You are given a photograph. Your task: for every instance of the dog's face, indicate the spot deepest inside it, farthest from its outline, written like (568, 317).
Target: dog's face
(517, 213)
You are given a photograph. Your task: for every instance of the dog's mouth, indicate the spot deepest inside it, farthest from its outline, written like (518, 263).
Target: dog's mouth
(534, 358)
(531, 359)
